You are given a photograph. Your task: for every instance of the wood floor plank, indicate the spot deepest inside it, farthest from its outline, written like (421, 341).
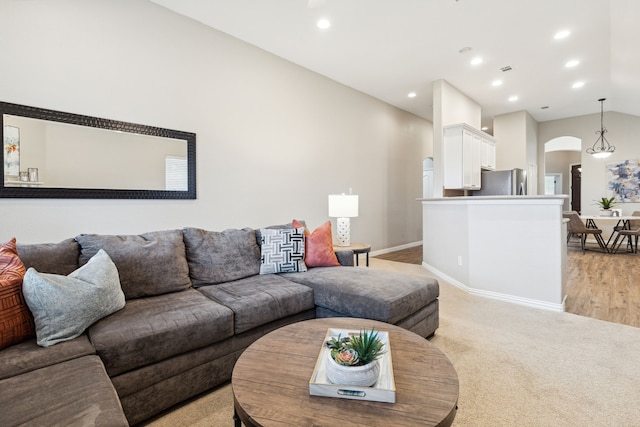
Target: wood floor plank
(599, 285)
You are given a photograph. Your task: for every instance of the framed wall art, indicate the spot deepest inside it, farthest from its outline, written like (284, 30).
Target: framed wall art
(11, 147)
(624, 181)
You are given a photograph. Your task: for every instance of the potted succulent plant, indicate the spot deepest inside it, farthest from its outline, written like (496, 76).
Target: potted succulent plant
(353, 360)
(606, 205)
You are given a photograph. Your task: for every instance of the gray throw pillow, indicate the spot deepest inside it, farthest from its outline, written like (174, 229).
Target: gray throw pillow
(64, 306)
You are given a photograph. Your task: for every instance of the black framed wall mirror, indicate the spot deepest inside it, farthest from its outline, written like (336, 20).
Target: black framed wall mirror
(52, 154)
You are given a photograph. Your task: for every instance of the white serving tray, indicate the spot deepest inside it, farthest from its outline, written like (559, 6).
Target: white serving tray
(384, 390)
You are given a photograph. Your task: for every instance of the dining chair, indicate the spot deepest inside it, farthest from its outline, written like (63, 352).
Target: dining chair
(629, 234)
(575, 227)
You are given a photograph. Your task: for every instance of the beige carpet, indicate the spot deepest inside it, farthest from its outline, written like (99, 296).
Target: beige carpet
(517, 366)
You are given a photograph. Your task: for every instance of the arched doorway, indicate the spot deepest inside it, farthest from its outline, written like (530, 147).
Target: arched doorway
(563, 156)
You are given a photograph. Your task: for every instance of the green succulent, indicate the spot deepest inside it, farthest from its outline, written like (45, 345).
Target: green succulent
(368, 346)
(337, 343)
(356, 350)
(605, 203)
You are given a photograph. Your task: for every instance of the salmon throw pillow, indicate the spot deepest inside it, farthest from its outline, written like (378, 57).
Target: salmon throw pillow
(16, 322)
(319, 246)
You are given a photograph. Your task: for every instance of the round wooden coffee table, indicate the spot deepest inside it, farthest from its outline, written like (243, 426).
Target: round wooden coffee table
(270, 381)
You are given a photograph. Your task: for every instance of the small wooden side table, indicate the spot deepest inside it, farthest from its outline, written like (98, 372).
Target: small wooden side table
(357, 248)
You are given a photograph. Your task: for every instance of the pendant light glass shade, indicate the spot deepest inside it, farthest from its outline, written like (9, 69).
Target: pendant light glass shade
(601, 148)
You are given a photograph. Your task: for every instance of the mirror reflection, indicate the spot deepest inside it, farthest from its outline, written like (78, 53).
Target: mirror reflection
(53, 154)
(129, 162)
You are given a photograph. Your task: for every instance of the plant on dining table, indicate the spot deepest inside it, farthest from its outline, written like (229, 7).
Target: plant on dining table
(606, 203)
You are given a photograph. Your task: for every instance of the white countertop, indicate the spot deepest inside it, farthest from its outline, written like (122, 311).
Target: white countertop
(501, 198)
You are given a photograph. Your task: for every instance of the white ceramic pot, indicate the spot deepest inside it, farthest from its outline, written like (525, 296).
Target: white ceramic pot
(361, 376)
(606, 212)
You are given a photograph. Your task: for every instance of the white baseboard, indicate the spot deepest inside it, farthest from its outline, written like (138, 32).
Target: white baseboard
(496, 295)
(395, 248)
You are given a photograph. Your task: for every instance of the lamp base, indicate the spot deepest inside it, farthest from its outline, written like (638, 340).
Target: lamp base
(344, 232)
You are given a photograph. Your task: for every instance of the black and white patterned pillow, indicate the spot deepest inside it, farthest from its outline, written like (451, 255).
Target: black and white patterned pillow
(282, 251)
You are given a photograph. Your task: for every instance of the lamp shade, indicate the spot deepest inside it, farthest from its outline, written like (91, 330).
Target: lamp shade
(343, 205)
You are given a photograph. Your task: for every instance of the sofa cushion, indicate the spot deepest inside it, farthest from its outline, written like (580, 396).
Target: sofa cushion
(151, 329)
(282, 251)
(64, 306)
(286, 226)
(72, 393)
(54, 258)
(16, 323)
(318, 246)
(373, 294)
(258, 300)
(216, 257)
(29, 356)
(149, 264)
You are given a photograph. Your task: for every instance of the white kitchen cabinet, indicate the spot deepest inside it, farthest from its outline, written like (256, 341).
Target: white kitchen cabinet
(462, 157)
(488, 160)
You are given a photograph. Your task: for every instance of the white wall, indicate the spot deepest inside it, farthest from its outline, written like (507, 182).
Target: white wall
(450, 107)
(534, 180)
(273, 139)
(623, 131)
(516, 135)
(559, 162)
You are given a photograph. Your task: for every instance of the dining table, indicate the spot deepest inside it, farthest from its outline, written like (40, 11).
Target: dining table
(622, 222)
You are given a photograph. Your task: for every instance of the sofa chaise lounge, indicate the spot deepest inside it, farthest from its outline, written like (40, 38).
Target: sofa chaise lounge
(195, 299)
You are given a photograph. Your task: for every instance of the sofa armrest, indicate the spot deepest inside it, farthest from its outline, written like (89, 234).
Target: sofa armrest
(345, 257)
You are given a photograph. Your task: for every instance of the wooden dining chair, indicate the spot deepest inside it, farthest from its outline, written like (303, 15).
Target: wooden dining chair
(575, 227)
(631, 234)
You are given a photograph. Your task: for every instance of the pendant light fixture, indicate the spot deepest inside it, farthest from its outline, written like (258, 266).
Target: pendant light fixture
(601, 147)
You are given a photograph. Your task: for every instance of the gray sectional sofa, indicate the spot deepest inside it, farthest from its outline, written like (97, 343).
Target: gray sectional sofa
(194, 301)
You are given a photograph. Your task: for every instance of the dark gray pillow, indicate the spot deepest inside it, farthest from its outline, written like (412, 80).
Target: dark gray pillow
(55, 258)
(217, 257)
(149, 264)
(64, 306)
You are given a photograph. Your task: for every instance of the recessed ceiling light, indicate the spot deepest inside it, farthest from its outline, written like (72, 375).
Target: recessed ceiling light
(496, 83)
(412, 95)
(477, 60)
(572, 63)
(562, 34)
(513, 98)
(577, 85)
(323, 24)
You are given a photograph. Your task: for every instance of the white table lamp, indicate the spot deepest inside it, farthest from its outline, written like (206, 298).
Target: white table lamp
(343, 207)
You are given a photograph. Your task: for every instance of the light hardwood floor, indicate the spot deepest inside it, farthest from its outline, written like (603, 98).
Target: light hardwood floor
(602, 286)
(408, 256)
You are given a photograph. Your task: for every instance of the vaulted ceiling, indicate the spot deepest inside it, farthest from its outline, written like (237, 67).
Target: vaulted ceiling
(390, 48)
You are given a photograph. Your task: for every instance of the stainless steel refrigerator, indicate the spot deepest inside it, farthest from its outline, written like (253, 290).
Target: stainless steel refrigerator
(502, 183)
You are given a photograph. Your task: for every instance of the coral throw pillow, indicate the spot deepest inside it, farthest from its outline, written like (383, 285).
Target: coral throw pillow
(16, 322)
(319, 246)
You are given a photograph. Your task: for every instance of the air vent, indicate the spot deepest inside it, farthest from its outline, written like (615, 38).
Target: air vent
(545, 107)
(507, 68)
